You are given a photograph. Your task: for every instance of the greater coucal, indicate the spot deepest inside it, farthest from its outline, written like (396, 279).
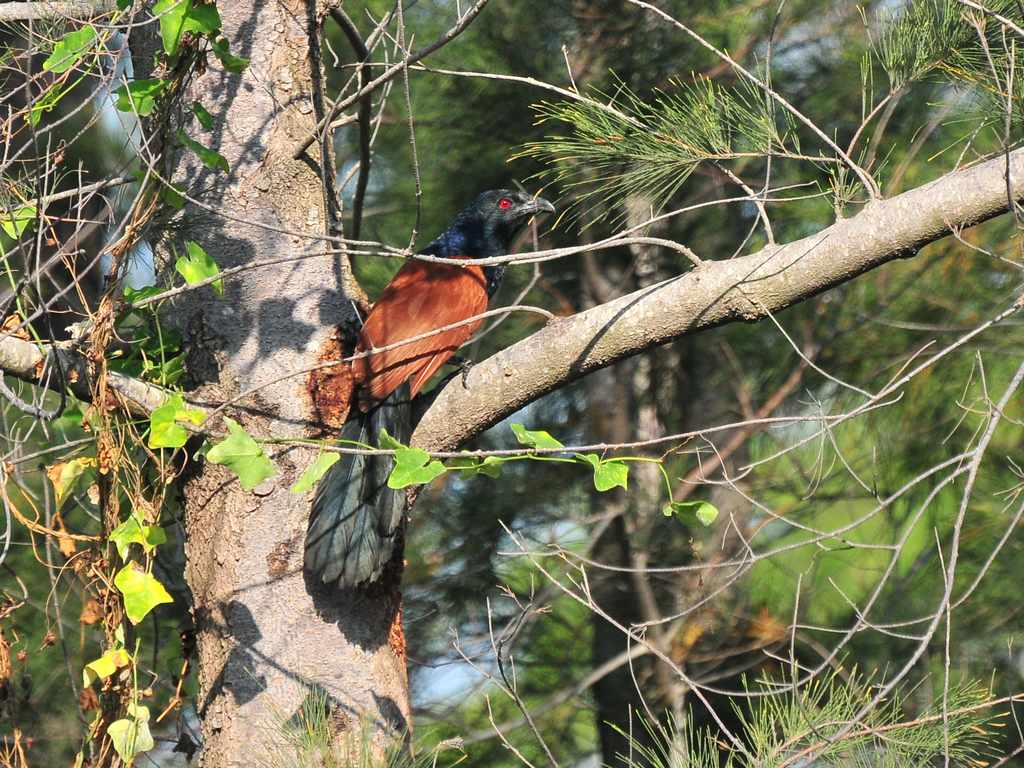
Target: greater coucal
(355, 515)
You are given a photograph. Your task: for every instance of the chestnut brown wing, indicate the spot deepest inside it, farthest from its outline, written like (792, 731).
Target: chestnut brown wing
(419, 299)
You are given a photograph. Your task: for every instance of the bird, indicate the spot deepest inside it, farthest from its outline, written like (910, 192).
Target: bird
(355, 516)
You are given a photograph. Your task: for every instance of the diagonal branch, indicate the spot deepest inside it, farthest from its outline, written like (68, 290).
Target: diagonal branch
(719, 292)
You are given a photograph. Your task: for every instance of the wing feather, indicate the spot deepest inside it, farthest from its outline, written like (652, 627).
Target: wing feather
(422, 297)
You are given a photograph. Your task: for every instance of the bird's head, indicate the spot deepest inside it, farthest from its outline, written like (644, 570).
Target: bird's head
(489, 224)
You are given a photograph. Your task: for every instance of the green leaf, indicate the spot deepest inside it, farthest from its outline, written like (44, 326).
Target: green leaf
(171, 195)
(140, 96)
(203, 19)
(231, 63)
(130, 736)
(131, 295)
(384, 440)
(17, 221)
(105, 666)
(490, 466)
(705, 511)
(211, 159)
(172, 15)
(413, 466)
(608, 474)
(68, 475)
(136, 531)
(205, 118)
(312, 474)
(164, 431)
(535, 438)
(141, 591)
(50, 98)
(197, 266)
(243, 456)
(69, 49)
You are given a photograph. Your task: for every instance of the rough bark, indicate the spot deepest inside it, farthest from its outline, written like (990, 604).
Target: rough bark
(266, 637)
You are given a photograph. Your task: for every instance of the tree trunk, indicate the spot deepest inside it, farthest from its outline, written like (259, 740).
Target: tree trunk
(265, 637)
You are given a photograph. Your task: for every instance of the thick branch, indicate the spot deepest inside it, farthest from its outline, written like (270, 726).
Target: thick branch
(82, 9)
(24, 360)
(743, 289)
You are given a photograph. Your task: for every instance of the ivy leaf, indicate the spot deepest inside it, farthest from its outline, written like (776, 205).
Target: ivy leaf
(140, 96)
(66, 476)
(608, 474)
(131, 295)
(17, 221)
(141, 591)
(203, 19)
(490, 466)
(535, 438)
(50, 98)
(243, 456)
(171, 195)
(205, 118)
(197, 266)
(312, 474)
(172, 15)
(211, 159)
(105, 666)
(136, 531)
(413, 466)
(230, 62)
(69, 49)
(384, 440)
(164, 431)
(705, 511)
(130, 736)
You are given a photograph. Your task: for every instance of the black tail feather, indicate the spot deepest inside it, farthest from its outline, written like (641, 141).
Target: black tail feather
(355, 517)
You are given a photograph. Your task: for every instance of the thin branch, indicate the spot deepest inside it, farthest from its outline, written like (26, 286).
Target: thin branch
(460, 26)
(364, 115)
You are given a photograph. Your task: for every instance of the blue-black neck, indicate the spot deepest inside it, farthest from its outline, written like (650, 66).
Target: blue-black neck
(470, 237)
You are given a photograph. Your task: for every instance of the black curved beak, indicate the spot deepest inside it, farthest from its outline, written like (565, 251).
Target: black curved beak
(540, 205)
(535, 207)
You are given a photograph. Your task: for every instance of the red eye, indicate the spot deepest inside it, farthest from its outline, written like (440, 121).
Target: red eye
(504, 203)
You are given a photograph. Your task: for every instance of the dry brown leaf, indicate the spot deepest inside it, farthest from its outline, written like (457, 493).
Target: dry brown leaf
(5, 660)
(88, 700)
(66, 545)
(91, 612)
(10, 327)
